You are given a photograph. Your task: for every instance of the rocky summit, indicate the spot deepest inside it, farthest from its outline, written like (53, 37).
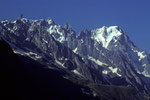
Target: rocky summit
(103, 63)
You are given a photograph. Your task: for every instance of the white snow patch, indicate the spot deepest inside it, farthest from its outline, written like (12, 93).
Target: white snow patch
(96, 61)
(33, 55)
(14, 21)
(61, 39)
(45, 41)
(78, 73)
(141, 54)
(144, 65)
(75, 50)
(138, 72)
(5, 24)
(59, 63)
(114, 70)
(105, 72)
(115, 45)
(4, 21)
(27, 39)
(145, 74)
(15, 28)
(18, 52)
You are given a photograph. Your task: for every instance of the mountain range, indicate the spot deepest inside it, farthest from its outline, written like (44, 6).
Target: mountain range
(46, 60)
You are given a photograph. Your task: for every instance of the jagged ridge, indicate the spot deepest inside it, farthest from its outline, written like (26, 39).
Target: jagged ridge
(104, 55)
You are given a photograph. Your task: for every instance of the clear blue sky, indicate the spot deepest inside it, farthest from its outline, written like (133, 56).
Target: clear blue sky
(133, 16)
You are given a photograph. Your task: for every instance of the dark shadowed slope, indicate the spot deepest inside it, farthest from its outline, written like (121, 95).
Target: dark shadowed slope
(26, 79)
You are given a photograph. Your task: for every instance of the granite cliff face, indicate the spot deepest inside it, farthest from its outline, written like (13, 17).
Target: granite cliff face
(103, 56)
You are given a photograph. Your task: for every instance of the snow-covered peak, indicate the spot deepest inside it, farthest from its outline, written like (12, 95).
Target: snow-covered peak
(24, 20)
(50, 21)
(105, 35)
